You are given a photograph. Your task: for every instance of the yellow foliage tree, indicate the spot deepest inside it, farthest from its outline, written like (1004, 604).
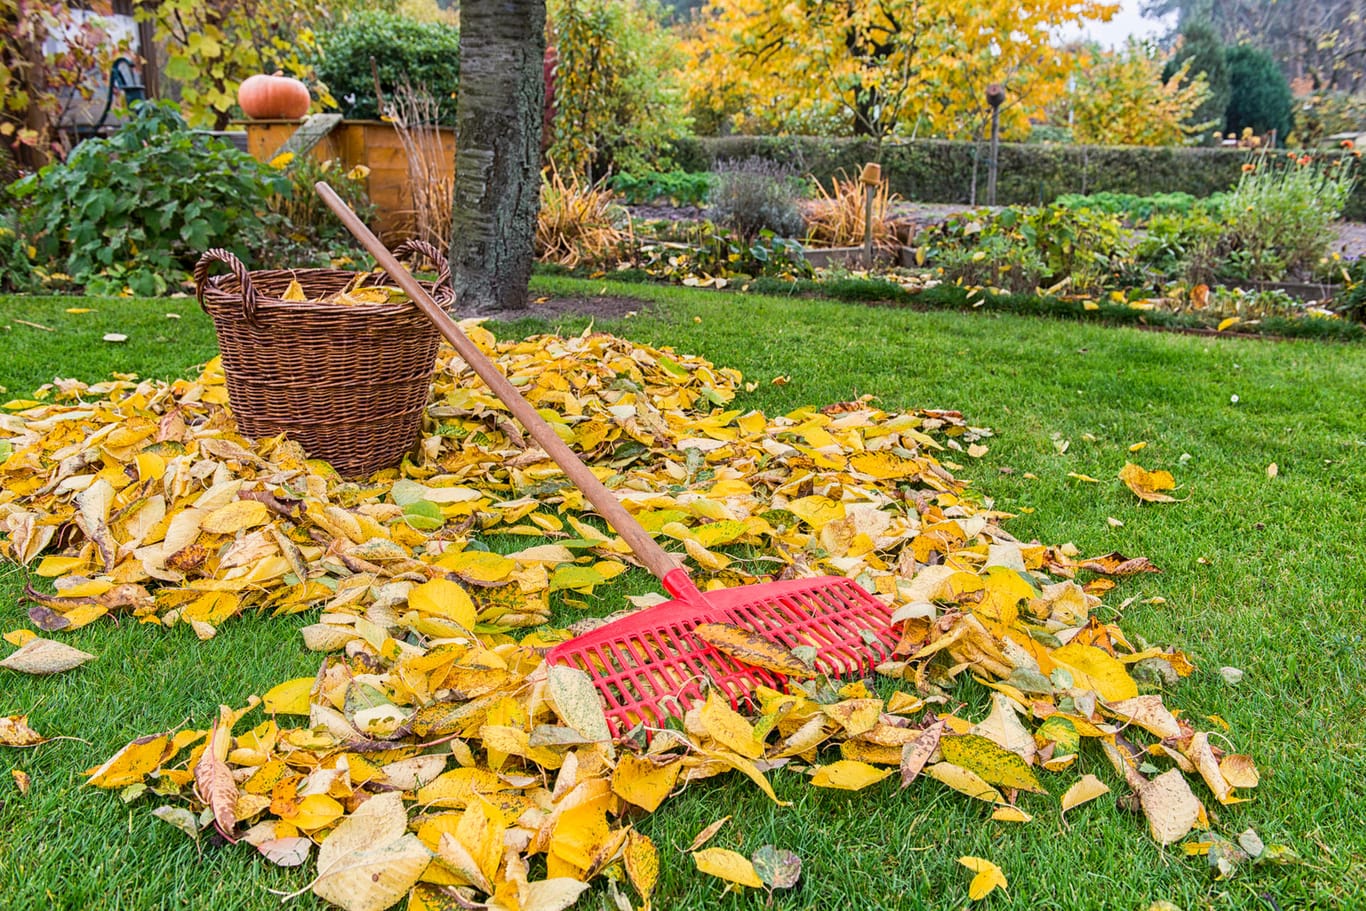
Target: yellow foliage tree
(894, 67)
(1122, 99)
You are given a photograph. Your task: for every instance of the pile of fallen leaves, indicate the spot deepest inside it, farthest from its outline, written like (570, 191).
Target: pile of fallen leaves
(440, 753)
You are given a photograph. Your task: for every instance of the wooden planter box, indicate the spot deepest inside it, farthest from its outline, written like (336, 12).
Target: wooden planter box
(372, 143)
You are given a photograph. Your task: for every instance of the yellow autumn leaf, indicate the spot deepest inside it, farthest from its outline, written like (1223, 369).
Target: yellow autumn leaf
(964, 781)
(728, 865)
(816, 511)
(1089, 787)
(988, 877)
(884, 465)
(1010, 814)
(443, 598)
(848, 775)
(642, 864)
(1148, 485)
(643, 782)
(289, 698)
(314, 812)
(131, 764)
(1227, 322)
(726, 726)
(751, 648)
(235, 517)
(20, 637)
(478, 565)
(992, 762)
(1093, 669)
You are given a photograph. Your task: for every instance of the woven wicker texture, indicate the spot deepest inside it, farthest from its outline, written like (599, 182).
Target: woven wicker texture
(349, 383)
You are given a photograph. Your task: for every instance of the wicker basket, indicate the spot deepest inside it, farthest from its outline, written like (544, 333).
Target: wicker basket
(349, 383)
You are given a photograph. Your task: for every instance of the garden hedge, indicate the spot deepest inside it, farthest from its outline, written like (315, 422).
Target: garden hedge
(935, 170)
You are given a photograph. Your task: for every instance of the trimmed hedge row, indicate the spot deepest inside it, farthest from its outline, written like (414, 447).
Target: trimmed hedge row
(937, 170)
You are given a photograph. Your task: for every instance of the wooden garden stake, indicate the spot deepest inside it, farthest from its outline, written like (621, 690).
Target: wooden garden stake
(871, 179)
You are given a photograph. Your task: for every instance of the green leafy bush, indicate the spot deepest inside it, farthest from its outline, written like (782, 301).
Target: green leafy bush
(309, 233)
(679, 188)
(1180, 244)
(995, 262)
(1136, 209)
(1019, 248)
(754, 195)
(617, 100)
(1278, 222)
(425, 54)
(16, 271)
(1259, 95)
(136, 209)
(1351, 302)
(713, 256)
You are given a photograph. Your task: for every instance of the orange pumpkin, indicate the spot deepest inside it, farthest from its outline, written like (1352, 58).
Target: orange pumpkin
(274, 97)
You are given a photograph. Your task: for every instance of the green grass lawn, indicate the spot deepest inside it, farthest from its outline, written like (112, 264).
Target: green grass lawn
(1264, 574)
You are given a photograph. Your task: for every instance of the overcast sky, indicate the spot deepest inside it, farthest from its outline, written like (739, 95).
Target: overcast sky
(1129, 21)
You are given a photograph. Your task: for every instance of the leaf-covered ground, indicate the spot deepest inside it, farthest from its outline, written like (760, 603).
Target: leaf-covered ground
(898, 816)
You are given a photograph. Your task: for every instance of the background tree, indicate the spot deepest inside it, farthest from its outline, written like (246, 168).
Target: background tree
(877, 68)
(1259, 96)
(1199, 45)
(618, 99)
(423, 54)
(1324, 40)
(498, 160)
(1122, 99)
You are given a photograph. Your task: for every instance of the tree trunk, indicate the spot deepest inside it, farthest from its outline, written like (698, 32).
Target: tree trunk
(498, 157)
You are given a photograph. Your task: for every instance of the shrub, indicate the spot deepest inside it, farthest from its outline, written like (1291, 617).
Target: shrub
(711, 255)
(1278, 221)
(1202, 47)
(1351, 302)
(577, 224)
(996, 262)
(617, 102)
(136, 209)
(1259, 95)
(1322, 114)
(425, 54)
(1122, 97)
(755, 194)
(679, 188)
(308, 224)
(1181, 243)
(1136, 209)
(838, 217)
(16, 271)
(1018, 248)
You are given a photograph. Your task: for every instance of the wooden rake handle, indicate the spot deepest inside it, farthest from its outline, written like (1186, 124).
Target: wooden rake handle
(658, 561)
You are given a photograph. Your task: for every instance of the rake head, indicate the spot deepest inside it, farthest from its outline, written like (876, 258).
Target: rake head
(650, 664)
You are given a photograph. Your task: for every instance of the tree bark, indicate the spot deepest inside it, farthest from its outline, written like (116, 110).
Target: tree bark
(498, 157)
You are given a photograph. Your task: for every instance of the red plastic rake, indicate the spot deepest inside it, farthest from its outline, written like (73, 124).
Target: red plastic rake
(650, 664)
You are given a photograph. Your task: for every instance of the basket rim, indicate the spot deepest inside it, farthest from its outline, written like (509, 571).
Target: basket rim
(225, 291)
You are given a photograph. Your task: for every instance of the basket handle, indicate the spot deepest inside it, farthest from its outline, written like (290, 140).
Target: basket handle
(229, 259)
(431, 253)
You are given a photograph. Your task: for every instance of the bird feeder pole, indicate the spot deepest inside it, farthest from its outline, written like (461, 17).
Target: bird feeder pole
(996, 94)
(871, 178)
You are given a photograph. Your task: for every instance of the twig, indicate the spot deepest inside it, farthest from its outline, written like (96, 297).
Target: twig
(24, 322)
